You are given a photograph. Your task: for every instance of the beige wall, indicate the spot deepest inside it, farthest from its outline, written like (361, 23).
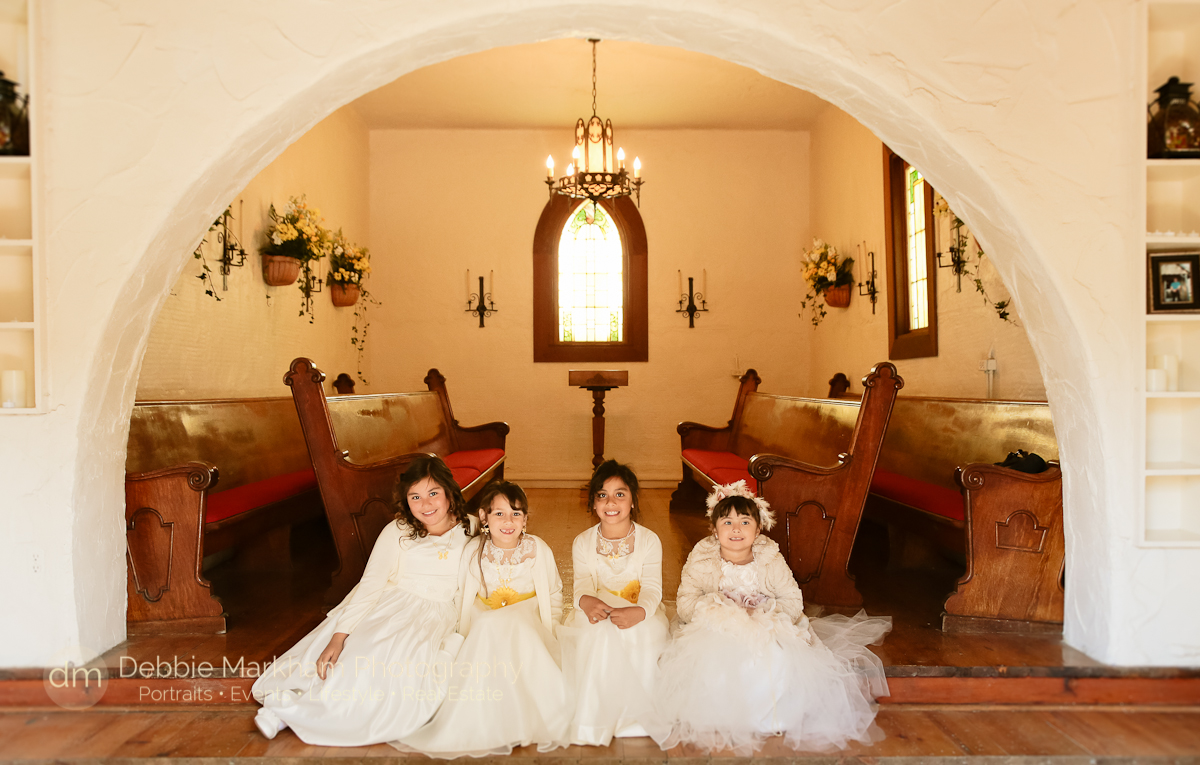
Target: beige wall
(847, 181)
(242, 345)
(442, 202)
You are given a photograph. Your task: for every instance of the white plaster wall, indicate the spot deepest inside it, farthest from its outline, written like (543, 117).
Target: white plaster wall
(242, 345)
(1027, 116)
(847, 182)
(428, 232)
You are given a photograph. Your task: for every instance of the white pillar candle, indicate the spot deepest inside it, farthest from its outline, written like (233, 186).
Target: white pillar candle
(1170, 363)
(1156, 380)
(12, 389)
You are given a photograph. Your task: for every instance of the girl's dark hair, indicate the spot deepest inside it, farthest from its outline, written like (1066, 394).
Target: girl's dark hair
(735, 506)
(613, 469)
(429, 466)
(516, 500)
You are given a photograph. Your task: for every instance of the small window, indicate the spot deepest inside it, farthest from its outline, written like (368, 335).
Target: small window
(589, 282)
(911, 267)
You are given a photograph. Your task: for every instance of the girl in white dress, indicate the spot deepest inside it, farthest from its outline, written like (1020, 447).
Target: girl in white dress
(376, 669)
(746, 663)
(506, 687)
(610, 655)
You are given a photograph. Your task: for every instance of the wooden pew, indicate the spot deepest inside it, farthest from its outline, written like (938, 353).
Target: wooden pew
(812, 459)
(176, 513)
(935, 482)
(361, 444)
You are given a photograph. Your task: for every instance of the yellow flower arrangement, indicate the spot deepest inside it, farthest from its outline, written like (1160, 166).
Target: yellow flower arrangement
(823, 268)
(297, 233)
(630, 591)
(348, 262)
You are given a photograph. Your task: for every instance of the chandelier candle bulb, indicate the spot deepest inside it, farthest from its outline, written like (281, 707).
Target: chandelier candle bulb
(620, 159)
(637, 167)
(571, 169)
(550, 167)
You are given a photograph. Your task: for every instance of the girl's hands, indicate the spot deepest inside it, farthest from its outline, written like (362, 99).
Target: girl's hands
(595, 608)
(627, 617)
(331, 653)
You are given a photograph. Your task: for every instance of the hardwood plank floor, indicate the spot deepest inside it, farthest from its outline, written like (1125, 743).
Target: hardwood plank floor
(908, 732)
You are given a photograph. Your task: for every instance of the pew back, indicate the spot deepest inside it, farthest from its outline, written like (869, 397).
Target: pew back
(930, 438)
(249, 440)
(807, 429)
(378, 427)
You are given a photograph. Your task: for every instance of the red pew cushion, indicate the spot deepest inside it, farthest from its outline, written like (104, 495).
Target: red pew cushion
(733, 475)
(227, 504)
(706, 461)
(478, 460)
(919, 494)
(464, 475)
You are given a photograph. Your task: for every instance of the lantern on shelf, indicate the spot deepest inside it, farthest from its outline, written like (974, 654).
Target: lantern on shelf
(1174, 129)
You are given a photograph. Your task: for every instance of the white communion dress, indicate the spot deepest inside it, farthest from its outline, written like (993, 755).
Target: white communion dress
(506, 688)
(731, 678)
(393, 671)
(610, 671)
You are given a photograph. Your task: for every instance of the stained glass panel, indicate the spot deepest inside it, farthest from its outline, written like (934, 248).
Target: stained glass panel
(918, 282)
(591, 284)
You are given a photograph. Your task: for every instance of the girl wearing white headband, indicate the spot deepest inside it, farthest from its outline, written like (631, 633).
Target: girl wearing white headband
(746, 663)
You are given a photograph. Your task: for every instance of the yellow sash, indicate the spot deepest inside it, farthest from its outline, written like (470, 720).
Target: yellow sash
(630, 591)
(504, 596)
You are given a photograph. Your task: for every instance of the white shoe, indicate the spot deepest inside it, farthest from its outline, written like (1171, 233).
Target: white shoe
(268, 722)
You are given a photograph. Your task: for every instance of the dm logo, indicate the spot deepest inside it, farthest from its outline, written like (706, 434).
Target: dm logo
(73, 683)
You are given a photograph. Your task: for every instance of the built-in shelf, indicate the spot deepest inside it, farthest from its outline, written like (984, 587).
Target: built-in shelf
(17, 325)
(1155, 318)
(1166, 243)
(1174, 394)
(1171, 538)
(1172, 468)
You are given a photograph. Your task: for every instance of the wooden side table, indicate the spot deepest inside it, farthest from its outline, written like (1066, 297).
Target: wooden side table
(599, 382)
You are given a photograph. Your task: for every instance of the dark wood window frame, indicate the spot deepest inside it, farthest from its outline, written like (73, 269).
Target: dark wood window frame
(905, 343)
(546, 346)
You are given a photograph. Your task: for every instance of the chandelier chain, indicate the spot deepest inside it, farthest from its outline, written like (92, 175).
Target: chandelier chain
(594, 77)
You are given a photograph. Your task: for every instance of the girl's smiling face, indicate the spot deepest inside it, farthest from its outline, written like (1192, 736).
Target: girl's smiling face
(430, 505)
(505, 522)
(613, 504)
(736, 534)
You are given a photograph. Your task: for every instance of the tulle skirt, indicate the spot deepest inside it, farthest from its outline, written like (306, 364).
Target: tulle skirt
(506, 690)
(729, 680)
(390, 678)
(610, 673)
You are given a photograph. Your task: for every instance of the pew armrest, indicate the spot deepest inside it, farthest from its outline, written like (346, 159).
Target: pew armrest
(763, 466)
(693, 435)
(490, 435)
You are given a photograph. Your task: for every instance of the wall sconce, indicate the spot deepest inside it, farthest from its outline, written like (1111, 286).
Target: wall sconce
(687, 300)
(232, 253)
(310, 286)
(871, 290)
(958, 252)
(480, 303)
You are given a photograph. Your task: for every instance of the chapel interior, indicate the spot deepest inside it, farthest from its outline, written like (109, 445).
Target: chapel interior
(440, 175)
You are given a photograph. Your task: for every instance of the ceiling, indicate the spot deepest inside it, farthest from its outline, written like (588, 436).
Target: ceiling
(548, 85)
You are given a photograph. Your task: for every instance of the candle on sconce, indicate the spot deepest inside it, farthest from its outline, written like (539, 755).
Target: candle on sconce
(704, 282)
(680, 282)
(491, 282)
(12, 389)
(550, 167)
(637, 167)
(468, 286)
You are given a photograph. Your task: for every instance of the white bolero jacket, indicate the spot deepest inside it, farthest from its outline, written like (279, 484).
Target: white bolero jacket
(701, 578)
(546, 583)
(646, 559)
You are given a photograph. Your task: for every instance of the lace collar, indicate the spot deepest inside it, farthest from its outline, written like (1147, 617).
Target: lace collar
(614, 549)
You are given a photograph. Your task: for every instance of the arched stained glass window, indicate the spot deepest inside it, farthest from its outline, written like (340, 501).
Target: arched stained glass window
(591, 285)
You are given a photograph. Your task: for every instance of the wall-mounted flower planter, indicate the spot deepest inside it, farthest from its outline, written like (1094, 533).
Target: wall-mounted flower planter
(838, 297)
(280, 270)
(343, 294)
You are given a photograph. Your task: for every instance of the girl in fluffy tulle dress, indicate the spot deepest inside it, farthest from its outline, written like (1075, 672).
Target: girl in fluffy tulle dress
(506, 685)
(376, 669)
(610, 655)
(746, 663)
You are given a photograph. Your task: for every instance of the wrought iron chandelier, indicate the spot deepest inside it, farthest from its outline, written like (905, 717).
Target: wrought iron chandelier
(591, 174)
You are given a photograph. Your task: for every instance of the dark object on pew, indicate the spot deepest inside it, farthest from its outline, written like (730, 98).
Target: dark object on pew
(776, 443)
(838, 385)
(175, 515)
(344, 385)
(384, 434)
(1015, 552)
(1025, 462)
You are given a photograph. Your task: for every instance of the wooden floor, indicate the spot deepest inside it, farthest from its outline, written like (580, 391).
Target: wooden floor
(270, 610)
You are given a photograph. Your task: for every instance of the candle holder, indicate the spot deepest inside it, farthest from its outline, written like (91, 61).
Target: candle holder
(480, 304)
(687, 304)
(871, 290)
(232, 253)
(958, 253)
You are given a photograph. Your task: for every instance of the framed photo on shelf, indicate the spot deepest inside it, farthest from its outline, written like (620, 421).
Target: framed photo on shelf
(1173, 282)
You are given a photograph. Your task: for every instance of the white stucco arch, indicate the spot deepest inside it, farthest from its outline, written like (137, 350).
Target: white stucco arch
(200, 102)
